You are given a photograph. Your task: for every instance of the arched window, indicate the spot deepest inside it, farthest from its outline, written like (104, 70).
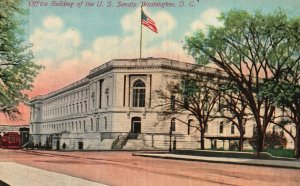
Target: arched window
(232, 129)
(138, 97)
(221, 127)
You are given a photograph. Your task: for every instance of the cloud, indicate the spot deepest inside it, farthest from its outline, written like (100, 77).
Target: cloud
(208, 17)
(164, 22)
(59, 48)
(53, 40)
(53, 22)
(153, 44)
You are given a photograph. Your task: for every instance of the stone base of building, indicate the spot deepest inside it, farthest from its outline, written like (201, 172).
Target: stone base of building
(114, 141)
(129, 141)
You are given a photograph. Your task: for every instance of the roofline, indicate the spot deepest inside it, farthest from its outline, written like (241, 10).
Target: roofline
(105, 67)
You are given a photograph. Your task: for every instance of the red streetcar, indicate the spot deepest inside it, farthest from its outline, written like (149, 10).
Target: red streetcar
(10, 140)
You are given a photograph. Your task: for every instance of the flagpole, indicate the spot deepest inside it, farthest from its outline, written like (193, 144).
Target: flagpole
(141, 35)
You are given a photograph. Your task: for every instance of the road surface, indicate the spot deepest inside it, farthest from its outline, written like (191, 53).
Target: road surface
(121, 168)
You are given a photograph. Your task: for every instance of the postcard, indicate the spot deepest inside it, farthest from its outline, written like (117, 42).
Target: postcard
(149, 92)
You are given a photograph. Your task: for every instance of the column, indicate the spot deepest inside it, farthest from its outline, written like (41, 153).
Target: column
(148, 91)
(97, 96)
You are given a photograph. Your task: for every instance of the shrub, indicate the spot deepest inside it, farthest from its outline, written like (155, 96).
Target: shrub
(273, 140)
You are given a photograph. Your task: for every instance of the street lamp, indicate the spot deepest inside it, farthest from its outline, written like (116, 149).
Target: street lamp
(170, 133)
(172, 128)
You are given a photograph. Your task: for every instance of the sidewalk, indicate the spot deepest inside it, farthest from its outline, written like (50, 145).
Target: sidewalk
(240, 161)
(15, 174)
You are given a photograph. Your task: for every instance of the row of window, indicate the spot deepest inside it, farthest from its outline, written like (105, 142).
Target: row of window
(81, 107)
(75, 126)
(62, 106)
(78, 126)
(221, 128)
(97, 127)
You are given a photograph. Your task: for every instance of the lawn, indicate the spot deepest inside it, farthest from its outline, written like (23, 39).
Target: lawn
(288, 153)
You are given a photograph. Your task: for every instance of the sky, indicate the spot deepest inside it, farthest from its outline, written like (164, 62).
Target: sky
(70, 41)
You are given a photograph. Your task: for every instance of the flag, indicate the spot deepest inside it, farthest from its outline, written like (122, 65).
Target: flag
(148, 22)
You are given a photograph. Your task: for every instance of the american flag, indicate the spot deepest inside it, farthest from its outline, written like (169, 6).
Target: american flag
(148, 22)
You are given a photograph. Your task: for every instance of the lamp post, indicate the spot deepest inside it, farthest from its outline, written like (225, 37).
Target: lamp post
(171, 127)
(170, 133)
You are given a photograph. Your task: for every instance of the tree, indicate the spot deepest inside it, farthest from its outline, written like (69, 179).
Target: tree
(195, 93)
(17, 70)
(286, 96)
(250, 48)
(233, 103)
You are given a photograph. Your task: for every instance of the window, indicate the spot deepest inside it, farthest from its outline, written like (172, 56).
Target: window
(85, 106)
(173, 124)
(84, 125)
(92, 124)
(232, 128)
(138, 94)
(189, 126)
(221, 128)
(105, 123)
(254, 128)
(97, 124)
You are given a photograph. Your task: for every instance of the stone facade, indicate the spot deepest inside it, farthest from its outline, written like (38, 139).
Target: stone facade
(114, 107)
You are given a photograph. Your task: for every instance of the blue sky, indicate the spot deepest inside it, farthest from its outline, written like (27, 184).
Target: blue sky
(92, 23)
(94, 35)
(79, 39)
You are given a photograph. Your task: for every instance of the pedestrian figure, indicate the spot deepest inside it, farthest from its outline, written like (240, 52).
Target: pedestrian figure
(174, 144)
(64, 146)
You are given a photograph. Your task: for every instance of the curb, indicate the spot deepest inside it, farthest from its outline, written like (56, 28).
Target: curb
(217, 161)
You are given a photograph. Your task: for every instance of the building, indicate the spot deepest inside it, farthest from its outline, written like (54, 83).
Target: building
(114, 107)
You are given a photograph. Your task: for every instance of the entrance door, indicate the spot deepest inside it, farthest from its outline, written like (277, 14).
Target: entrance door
(136, 125)
(57, 145)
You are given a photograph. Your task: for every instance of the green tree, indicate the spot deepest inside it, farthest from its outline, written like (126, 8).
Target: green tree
(17, 70)
(233, 109)
(274, 140)
(286, 96)
(250, 48)
(195, 93)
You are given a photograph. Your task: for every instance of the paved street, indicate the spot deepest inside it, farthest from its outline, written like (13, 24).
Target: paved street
(121, 168)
